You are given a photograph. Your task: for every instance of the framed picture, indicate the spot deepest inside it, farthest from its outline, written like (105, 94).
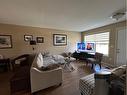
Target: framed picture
(40, 39)
(59, 39)
(5, 41)
(28, 38)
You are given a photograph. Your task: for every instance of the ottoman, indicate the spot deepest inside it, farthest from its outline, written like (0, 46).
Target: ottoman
(87, 84)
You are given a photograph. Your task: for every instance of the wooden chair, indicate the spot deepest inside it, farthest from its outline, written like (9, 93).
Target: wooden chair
(96, 60)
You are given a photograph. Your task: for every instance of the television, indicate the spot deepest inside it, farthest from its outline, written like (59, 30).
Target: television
(81, 46)
(86, 46)
(90, 47)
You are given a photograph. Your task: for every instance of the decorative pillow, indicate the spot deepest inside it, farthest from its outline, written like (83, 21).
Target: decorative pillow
(40, 60)
(49, 67)
(45, 54)
(119, 71)
(48, 60)
(58, 58)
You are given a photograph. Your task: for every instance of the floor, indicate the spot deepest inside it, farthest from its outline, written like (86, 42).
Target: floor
(68, 87)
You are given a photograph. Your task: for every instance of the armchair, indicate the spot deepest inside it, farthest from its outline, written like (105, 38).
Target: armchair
(44, 79)
(21, 60)
(96, 60)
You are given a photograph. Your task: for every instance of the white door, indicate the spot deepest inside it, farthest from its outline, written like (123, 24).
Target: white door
(121, 47)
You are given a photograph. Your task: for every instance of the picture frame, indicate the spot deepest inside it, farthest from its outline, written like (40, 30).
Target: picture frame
(59, 39)
(28, 38)
(5, 41)
(40, 39)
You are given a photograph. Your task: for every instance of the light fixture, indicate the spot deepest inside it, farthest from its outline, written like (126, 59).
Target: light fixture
(33, 42)
(118, 15)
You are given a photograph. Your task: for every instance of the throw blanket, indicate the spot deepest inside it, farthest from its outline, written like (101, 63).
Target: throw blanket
(87, 84)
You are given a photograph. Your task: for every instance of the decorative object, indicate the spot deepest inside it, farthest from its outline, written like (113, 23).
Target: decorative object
(33, 42)
(28, 38)
(40, 39)
(5, 41)
(59, 39)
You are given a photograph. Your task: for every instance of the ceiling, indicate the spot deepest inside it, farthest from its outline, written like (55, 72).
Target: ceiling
(70, 15)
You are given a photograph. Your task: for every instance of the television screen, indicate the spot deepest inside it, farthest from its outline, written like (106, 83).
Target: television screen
(81, 46)
(90, 47)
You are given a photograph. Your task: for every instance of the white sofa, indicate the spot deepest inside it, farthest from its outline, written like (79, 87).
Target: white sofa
(44, 79)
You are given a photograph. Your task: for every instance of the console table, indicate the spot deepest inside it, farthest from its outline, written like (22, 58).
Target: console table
(82, 55)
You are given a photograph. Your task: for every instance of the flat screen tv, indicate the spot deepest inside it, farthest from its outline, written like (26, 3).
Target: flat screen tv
(86, 46)
(81, 46)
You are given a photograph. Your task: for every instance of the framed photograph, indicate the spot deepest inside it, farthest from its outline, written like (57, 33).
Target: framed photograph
(28, 38)
(40, 39)
(59, 39)
(5, 41)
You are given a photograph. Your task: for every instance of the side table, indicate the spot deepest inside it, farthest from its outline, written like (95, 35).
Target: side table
(101, 82)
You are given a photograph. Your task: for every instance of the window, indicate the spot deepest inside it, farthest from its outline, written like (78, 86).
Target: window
(101, 41)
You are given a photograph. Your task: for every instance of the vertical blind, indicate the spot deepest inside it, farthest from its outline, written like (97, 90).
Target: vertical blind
(101, 41)
(97, 37)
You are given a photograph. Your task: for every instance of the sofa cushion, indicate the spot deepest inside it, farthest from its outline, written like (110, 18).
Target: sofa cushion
(49, 67)
(40, 60)
(45, 54)
(119, 70)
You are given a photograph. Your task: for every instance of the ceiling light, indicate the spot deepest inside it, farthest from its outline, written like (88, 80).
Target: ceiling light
(118, 15)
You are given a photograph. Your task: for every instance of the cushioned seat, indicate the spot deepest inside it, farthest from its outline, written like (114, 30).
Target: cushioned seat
(96, 60)
(87, 84)
(43, 79)
(20, 80)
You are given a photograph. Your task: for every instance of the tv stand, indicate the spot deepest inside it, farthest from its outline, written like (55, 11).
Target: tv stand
(82, 55)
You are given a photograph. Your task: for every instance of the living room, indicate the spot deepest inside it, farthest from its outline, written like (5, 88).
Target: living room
(42, 22)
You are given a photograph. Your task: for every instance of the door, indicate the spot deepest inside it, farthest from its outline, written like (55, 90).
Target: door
(121, 47)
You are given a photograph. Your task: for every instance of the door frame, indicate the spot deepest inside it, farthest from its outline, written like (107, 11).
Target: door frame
(116, 40)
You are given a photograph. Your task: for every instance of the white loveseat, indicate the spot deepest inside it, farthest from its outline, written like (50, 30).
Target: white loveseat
(43, 79)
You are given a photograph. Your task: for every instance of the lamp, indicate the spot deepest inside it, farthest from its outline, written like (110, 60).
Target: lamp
(33, 42)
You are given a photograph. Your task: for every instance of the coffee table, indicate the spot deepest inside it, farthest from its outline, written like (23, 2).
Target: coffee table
(67, 64)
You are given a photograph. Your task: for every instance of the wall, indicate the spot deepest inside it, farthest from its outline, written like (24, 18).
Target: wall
(112, 28)
(21, 47)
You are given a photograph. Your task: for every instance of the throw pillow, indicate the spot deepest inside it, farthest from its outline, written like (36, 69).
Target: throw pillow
(39, 60)
(45, 54)
(58, 58)
(119, 71)
(49, 67)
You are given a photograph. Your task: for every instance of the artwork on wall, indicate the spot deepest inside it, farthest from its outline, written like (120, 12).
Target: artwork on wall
(59, 39)
(5, 41)
(40, 39)
(28, 38)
